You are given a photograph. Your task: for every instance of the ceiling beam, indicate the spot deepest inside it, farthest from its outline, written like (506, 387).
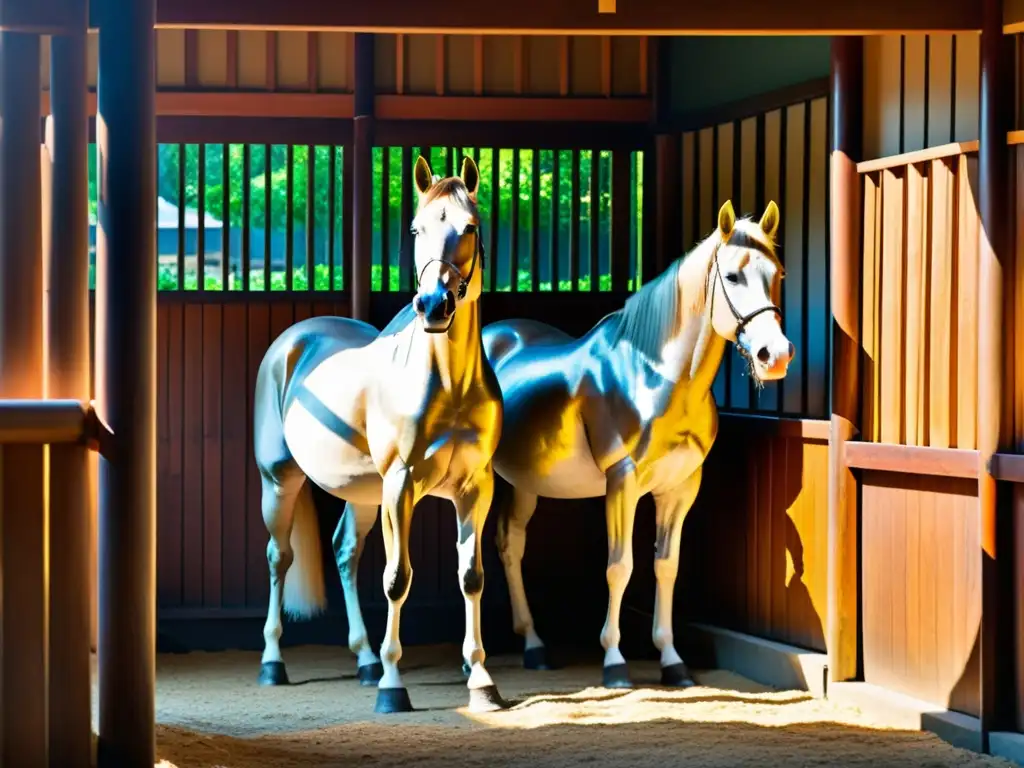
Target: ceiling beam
(643, 17)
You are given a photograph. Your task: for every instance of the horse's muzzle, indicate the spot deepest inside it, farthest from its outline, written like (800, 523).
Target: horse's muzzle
(435, 309)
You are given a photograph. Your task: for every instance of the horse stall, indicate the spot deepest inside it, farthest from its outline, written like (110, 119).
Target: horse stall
(848, 575)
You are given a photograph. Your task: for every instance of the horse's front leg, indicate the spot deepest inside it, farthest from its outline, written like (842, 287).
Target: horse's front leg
(396, 520)
(620, 510)
(671, 512)
(471, 508)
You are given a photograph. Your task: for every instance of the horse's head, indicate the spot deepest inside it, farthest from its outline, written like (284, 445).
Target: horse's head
(448, 253)
(745, 278)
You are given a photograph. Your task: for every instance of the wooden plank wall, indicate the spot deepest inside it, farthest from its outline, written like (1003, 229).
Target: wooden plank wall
(920, 589)
(781, 155)
(920, 91)
(220, 59)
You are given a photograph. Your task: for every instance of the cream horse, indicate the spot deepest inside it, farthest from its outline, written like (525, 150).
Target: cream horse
(384, 419)
(628, 410)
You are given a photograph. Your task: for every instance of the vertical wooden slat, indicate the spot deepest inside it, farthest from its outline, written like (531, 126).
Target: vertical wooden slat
(574, 223)
(225, 243)
(941, 314)
(235, 415)
(440, 64)
(313, 61)
(563, 65)
(232, 58)
(310, 217)
(966, 276)
(332, 191)
(513, 256)
(181, 216)
(870, 332)
(346, 216)
(210, 419)
(256, 570)
(643, 63)
(518, 65)
(774, 187)
(171, 508)
(689, 191)
(816, 321)
(967, 84)
(246, 214)
(940, 89)
(478, 65)
(192, 504)
(495, 210)
(619, 251)
(1017, 318)
(267, 229)
(793, 245)
(535, 221)
(606, 66)
(385, 219)
(915, 95)
(400, 43)
(555, 223)
(271, 73)
(405, 262)
(915, 320)
(595, 218)
(191, 58)
(892, 325)
(201, 225)
(289, 218)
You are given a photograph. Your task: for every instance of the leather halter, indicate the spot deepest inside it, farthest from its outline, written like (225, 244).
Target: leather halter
(741, 319)
(464, 280)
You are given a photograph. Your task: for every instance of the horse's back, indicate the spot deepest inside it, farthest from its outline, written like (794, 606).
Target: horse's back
(506, 338)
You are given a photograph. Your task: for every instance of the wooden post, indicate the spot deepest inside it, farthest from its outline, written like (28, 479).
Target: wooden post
(66, 280)
(667, 153)
(362, 177)
(23, 621)
(126, 381)
(842, 629)
(994, 252)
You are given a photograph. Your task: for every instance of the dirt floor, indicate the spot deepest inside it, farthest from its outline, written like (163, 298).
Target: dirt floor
(212, 713)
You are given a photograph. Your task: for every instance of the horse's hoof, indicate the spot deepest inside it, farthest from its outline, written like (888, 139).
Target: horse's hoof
(370, 674)
(392, 700)
(466, 670)
(536, 658)
(676, 676)
(273, 673)
(486, 699)
(616, 676)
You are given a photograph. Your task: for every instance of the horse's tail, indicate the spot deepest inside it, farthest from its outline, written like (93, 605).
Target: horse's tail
(304, 593)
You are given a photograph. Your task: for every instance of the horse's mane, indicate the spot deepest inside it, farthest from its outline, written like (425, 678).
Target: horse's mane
(651, 315)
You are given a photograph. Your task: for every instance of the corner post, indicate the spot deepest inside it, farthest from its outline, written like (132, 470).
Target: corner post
(66, 280)
(994, 254)
(126, 381)
(667, 151)
(845, 146)
(362, 177)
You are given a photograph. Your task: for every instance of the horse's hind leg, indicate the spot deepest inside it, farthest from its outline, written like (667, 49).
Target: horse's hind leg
(279, 497)
(349, 537)
(511, 537)
(671, 512)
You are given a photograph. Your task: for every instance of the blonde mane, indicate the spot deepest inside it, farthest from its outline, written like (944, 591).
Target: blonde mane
(651, 316)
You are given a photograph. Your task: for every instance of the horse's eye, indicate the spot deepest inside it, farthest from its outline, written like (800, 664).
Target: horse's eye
(470, 229)
(733, 278)
(413, 231)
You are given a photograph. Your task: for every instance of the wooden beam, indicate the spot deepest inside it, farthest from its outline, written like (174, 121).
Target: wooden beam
(23, 508)
(41, 17)
(845, 147)
(362, 177)
(911, 459)
(400, 64)
(643, 17)
(995, 255)
(126, 384)
(501, 108)
(66, 333)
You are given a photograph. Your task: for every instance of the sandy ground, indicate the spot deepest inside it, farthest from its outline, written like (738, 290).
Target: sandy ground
(212, 713)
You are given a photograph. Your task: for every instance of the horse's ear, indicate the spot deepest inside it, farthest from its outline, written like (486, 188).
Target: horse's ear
(726, 219)
(470, 175)
(422, 175)
(770, 220)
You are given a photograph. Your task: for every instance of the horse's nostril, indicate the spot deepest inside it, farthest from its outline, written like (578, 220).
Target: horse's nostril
(792, 350)
(763, 354)
(417, 304)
